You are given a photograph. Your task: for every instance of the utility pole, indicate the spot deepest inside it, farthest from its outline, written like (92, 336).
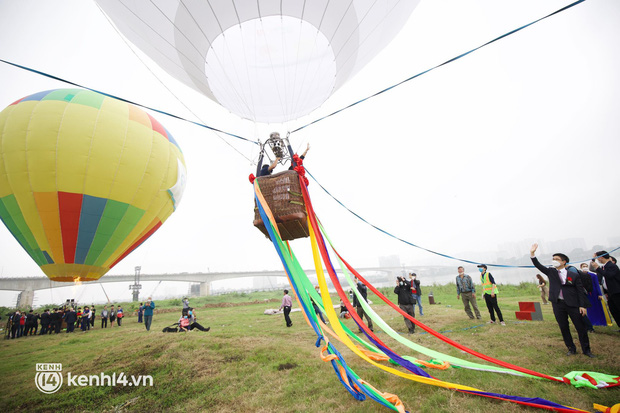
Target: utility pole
(135, 287)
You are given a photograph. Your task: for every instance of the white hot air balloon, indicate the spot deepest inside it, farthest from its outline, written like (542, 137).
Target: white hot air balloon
(264, 60)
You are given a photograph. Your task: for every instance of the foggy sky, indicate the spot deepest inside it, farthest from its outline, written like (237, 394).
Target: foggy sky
(517, 141)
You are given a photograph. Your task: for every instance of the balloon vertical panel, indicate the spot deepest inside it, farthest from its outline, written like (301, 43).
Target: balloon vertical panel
(84, 180)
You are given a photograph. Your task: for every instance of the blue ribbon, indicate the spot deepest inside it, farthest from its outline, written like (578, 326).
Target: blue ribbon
(422, 248)
(202, 125)
(439, 65)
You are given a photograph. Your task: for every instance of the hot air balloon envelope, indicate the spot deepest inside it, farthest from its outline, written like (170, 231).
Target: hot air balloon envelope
(84, 180)
(264, 60)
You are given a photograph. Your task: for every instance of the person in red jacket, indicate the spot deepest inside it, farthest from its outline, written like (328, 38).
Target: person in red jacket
(22, 325)
(119, 315)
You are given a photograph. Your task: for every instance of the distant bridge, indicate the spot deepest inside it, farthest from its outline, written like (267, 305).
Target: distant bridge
(28, 285)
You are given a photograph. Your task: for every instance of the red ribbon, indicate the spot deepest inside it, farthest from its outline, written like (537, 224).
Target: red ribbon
(301, 171)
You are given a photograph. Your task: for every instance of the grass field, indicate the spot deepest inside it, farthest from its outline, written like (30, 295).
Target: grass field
(252, 362)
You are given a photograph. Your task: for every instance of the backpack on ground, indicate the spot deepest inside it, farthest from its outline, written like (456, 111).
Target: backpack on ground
(171, 329)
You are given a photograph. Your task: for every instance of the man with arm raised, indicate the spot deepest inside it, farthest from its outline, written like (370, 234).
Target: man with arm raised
(567, 299)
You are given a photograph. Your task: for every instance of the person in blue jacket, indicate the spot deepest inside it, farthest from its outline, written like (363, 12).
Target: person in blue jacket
(148, 313)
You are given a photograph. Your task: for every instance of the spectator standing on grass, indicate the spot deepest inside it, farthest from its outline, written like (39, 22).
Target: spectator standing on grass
(406, 302)
(119, 315)
(45, 321)
(185, 303)
(317, 310)
(104, 317)
(287, 304)
(567, 299)
(490, 290)
(363, 290)
(29, 318)
(587, 278)
(34, 326)
(93, 313)
(22, 325)
(70, 319)
(85, 319)
(148, 313)
(608, 271)
(53, 318)
(416, 290)
(542, 286)
(14, 318)
(112, 315)
(88, 317)
(79, 318)
(465, 289)
(140, 312)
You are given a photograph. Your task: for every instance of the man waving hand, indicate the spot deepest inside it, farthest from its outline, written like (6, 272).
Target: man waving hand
(567, 299)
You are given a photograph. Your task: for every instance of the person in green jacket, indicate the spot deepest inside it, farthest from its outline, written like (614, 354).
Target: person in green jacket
(490, 291)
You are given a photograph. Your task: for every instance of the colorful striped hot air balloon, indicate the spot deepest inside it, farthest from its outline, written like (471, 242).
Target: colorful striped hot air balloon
(84, 180)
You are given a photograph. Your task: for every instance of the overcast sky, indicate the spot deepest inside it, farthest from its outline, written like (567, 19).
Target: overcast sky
(518, 140)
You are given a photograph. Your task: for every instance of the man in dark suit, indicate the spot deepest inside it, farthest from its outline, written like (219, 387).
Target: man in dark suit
(609, 271)
(567, 299)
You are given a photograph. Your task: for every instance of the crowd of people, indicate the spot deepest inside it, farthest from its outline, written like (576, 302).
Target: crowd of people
(566, 287)
(68, 318)
(71, 317)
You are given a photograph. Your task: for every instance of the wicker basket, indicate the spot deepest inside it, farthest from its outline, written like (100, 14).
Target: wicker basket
(282, 192)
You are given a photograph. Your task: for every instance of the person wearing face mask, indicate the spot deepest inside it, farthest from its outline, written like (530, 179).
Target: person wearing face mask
(567, 299)
(489, 288)
(609, 272)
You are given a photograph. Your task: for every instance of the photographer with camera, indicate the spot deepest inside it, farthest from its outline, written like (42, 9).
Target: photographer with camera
(406, 302)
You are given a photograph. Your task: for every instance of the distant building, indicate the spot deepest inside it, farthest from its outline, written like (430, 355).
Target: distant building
(515, 249)
(565, 245)
(263, 283)
(194, 290)
(613, 242)
(389, 261)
